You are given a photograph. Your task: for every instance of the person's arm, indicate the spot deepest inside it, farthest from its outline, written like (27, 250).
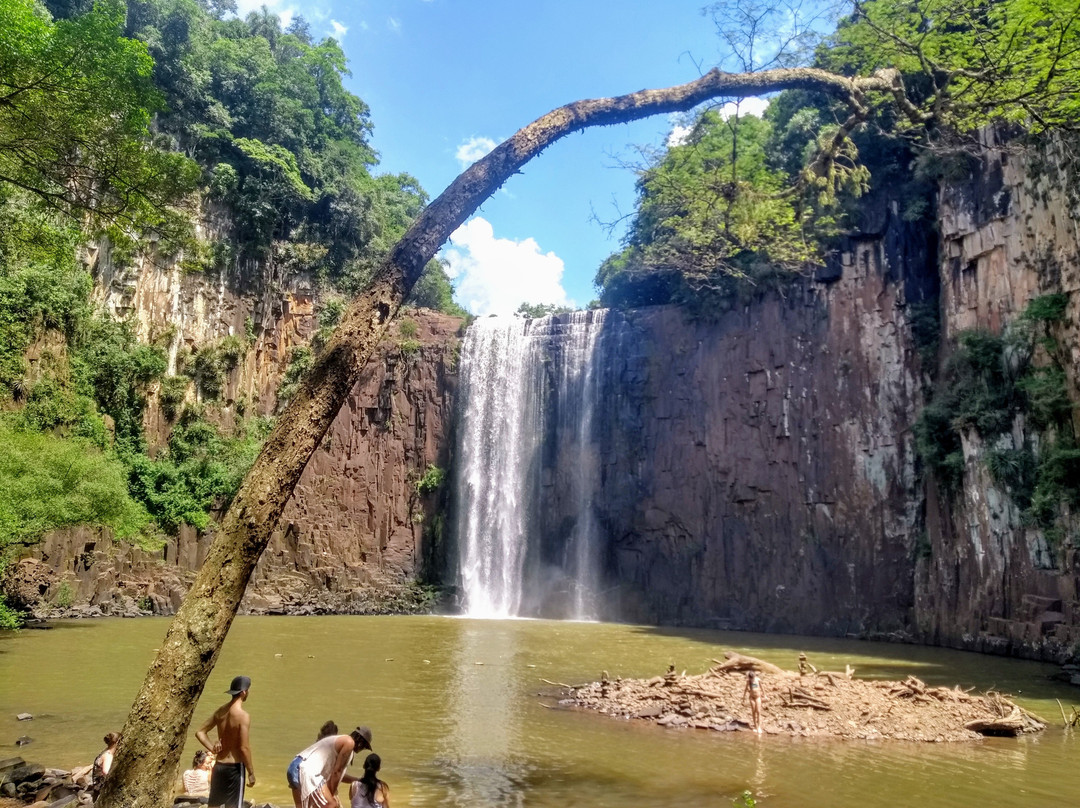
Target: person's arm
(201, 736)
(245, 750)
(384, 798)
(106, 761)
(344, 747)
(348, 778)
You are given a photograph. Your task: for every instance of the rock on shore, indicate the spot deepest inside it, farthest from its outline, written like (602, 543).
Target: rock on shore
(32, 784)
(808, 704)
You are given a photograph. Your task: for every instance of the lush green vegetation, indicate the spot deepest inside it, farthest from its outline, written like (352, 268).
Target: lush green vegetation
(987, 383)
(732, 208)
(743, 203)
(431, 480)
(535, 310)
(247, 117)
(78, 86)
(200, 470)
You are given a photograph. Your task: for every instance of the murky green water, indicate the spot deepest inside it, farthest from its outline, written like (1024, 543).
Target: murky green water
(457, 718)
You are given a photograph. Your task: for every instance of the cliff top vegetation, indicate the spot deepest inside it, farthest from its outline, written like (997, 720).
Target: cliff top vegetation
(741, 202)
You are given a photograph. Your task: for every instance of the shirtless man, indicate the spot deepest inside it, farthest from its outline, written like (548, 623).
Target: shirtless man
(232, 748)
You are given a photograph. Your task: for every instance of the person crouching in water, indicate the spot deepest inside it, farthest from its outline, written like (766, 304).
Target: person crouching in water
(753, 690)
(315, 774)
(369, 791)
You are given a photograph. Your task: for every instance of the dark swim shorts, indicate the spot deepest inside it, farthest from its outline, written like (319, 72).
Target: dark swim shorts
(227, 785)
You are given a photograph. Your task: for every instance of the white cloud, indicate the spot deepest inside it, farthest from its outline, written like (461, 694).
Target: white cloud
(393, 24)
(363, 25)
(339, 30)
(473, 149)
(496, 275)
(748, 106)
(681, 126)
(678, 135)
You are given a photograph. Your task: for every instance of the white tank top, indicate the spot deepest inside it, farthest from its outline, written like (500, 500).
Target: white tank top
(320, 756)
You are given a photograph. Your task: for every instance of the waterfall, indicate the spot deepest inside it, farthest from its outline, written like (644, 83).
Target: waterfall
(527, 467)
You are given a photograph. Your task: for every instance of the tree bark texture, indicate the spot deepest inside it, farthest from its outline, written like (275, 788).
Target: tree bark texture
(146, 766)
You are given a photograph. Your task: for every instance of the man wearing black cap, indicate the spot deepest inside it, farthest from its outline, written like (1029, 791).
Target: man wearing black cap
(232, 748)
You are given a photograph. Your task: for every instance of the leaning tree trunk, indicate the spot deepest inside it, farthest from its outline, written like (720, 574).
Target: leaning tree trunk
(146, 766)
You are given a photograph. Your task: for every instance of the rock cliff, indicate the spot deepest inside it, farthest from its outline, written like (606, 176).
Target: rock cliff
(350, 538)
(759, 469)
(755, 469)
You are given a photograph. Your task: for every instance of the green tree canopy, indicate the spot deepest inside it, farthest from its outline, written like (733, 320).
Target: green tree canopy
(743, 199)
(76, 98)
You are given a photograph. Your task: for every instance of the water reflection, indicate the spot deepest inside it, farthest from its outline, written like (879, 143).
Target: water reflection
(478, 762)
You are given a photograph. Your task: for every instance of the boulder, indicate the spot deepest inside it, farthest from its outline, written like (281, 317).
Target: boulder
(25, 584)
(26, 772)
(67, 799)
(7, 764)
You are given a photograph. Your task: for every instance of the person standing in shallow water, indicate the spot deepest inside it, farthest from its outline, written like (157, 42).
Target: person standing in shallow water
(753, 690)
(233, 751)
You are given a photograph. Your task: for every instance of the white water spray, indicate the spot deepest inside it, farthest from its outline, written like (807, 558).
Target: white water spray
(525, 383)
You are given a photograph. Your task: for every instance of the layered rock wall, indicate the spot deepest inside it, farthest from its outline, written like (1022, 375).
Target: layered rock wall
(991, 580)
(351, 536)
(757, 468)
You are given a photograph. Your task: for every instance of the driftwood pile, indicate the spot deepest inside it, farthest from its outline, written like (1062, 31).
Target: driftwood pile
(807, 703)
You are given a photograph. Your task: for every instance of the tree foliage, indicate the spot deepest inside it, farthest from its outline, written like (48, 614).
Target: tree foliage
(76, 98)
(739, 199)
(970, 62)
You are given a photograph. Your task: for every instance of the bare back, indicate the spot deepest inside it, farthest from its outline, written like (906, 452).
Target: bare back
(231, 723)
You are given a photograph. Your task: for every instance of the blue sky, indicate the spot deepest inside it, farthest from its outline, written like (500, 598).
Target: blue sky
(445, 78)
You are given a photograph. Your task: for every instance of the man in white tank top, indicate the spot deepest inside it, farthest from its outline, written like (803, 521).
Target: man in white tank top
(317, 772)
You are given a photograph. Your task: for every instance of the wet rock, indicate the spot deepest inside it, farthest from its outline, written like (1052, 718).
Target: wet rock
(24, 717)
(8, 764)
(24, 740)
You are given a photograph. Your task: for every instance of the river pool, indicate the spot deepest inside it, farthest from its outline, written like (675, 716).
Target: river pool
(460, 718)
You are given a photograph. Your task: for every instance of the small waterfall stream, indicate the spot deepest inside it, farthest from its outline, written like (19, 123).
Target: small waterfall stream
(525, 442)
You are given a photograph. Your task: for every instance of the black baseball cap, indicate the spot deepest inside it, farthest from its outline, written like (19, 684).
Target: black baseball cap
(239, 685)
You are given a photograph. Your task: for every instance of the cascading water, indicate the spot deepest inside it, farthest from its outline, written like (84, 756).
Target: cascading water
(526, 438)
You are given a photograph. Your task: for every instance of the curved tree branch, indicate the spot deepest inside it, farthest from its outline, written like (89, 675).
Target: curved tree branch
(153, 737)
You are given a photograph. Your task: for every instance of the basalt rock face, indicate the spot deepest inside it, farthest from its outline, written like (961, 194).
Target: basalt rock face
(990, 580)
(757, 469)
(352, 538)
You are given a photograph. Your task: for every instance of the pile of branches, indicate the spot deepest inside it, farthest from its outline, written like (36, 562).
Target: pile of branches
(806, 702)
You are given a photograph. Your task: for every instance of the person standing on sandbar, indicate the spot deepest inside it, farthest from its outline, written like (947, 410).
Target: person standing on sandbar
(233, 751)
